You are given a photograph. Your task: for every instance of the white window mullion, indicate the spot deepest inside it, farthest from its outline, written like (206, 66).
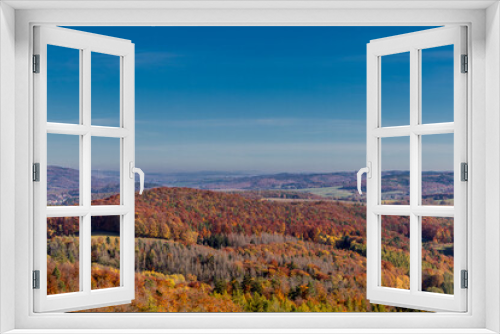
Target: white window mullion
(433, 129)
(422, 211)
(86, 172)
(127, 103)
(85, 256)
(104, 131)
(80, 130)
(123, 263)
(96, 210)
(460, 156)
(85, 154)
(378, 178)
(393, 131)
(414, 169)
(67, 129)
(373, 241)
(40, 156)
(420, 129)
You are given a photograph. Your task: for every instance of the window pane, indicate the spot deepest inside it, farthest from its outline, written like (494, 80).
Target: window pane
(395, 183)
(395, 89)
(63, 85)
(437, 255)
(105, 171)
(437, 169)
(63, 255)
(63, 169)
(105, 89)
(396, 252)
(437, 84)
(105, 252)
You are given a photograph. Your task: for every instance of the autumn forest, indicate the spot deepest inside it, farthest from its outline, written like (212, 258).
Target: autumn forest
(201, 250)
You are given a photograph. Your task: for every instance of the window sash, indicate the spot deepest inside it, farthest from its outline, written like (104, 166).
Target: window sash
(87, 43)
(414, 297)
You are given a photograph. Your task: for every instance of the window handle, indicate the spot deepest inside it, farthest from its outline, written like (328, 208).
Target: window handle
(368, 171)
(134, 170)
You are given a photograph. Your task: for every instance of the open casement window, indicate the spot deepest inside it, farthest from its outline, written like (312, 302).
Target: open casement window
(433, 225)
(86, 133)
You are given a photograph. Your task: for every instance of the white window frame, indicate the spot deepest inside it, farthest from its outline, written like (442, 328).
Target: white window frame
(414, 43)
(483, 123)
(86, 44)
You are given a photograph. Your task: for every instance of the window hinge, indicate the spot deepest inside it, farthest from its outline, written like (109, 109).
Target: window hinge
(36, 63)
(464, 170)
(36, 172)
(465, 64)
(465, 279)
(36, 279)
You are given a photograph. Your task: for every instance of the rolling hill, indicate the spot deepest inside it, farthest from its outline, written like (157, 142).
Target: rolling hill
(437, 186)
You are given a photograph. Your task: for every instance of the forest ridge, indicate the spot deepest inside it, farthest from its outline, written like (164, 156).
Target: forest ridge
(437, 186)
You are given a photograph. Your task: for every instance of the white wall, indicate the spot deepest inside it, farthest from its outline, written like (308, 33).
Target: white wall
(7, 160)
(492, 165)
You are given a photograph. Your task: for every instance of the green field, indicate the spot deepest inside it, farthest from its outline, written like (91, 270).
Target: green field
(329, 192)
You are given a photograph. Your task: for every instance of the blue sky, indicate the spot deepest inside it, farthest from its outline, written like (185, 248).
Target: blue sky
(258, 99)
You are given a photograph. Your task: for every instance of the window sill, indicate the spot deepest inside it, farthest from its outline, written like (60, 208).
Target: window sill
(250, 331)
